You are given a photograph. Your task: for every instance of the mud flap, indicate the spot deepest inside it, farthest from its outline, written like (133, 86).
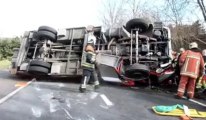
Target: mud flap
(108, 73)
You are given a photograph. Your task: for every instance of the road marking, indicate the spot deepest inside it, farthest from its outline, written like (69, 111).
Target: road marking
(20, 84)
(2, 100)
(197, 102)
(106, 100)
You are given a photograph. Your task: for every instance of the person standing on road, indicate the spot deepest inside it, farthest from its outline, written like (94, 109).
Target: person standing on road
(201, 83)
(177, 66)
(192, 65)
(88, 64)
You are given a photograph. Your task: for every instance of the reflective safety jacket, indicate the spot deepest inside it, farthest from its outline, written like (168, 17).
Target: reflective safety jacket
(191, 63)
(201, 83)
(88, 60)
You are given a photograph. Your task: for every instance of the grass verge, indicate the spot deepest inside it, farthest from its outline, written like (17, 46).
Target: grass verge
(4, 64)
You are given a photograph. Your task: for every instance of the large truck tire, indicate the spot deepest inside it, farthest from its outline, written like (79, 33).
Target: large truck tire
(46, 28)
(40, 63)
(142, 24)
(113, 32)
(37, 70)
(137, 71)
(34, 39)
(42, 35)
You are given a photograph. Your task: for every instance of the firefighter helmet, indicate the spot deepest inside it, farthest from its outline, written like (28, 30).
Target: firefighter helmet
(91, 40)
(204, 52)
(182, 50)
(193, 45)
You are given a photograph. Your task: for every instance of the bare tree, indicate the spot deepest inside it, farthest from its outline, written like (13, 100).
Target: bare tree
(116, 14)
(113, 13)
(141, 9)
(135, 8)
(202, 7)
(175, 10)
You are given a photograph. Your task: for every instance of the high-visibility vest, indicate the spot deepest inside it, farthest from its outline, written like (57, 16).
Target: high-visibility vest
(201, 83)
(85, 63)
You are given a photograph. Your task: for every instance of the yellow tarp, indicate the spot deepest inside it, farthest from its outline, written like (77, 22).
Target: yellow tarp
(179, 112)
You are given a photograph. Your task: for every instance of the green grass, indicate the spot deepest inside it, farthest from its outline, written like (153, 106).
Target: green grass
(4, 64)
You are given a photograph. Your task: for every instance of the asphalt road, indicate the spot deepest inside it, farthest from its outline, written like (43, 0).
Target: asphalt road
(49, 100)
(8, 82)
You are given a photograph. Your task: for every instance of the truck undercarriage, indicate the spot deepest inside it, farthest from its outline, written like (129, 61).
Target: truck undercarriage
(134, 51)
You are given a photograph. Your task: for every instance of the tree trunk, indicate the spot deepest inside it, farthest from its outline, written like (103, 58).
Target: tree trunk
(202, 7)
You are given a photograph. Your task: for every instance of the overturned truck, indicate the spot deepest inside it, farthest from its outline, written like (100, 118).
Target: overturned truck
(133, 51)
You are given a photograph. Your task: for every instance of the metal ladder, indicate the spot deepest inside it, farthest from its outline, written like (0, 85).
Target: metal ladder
(69, 57)
(136, 33)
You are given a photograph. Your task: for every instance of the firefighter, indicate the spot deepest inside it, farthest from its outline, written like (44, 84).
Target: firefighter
(201, 83)
(88, 64)
(192, 65)
(177, 67)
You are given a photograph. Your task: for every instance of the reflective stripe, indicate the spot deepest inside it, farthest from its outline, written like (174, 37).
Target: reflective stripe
(197, 66)
(181, 90)
(186, 64)
(86, 64)
(85, 80)
(190, 92)
(195, 57)
(189, 74)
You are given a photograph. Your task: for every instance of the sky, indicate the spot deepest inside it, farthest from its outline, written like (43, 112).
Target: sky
(18, 16)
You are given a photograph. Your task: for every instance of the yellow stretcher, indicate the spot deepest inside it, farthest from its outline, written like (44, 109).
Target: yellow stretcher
(179, 112)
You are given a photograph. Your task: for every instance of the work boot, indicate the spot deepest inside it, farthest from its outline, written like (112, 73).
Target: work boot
(177, 96)
(96, 85)
(82, 88)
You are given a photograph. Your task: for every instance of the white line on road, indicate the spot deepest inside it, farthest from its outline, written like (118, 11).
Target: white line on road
(197, 102)
(2, 100)
(106, 100)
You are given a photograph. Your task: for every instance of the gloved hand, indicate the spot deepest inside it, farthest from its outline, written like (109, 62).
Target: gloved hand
(90, 58)
(93, 59)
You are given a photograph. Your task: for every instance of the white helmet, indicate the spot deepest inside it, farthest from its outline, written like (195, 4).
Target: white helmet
(193, 45)
(90, 28)
(182, 50)
(204, 52)
(91, 39)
